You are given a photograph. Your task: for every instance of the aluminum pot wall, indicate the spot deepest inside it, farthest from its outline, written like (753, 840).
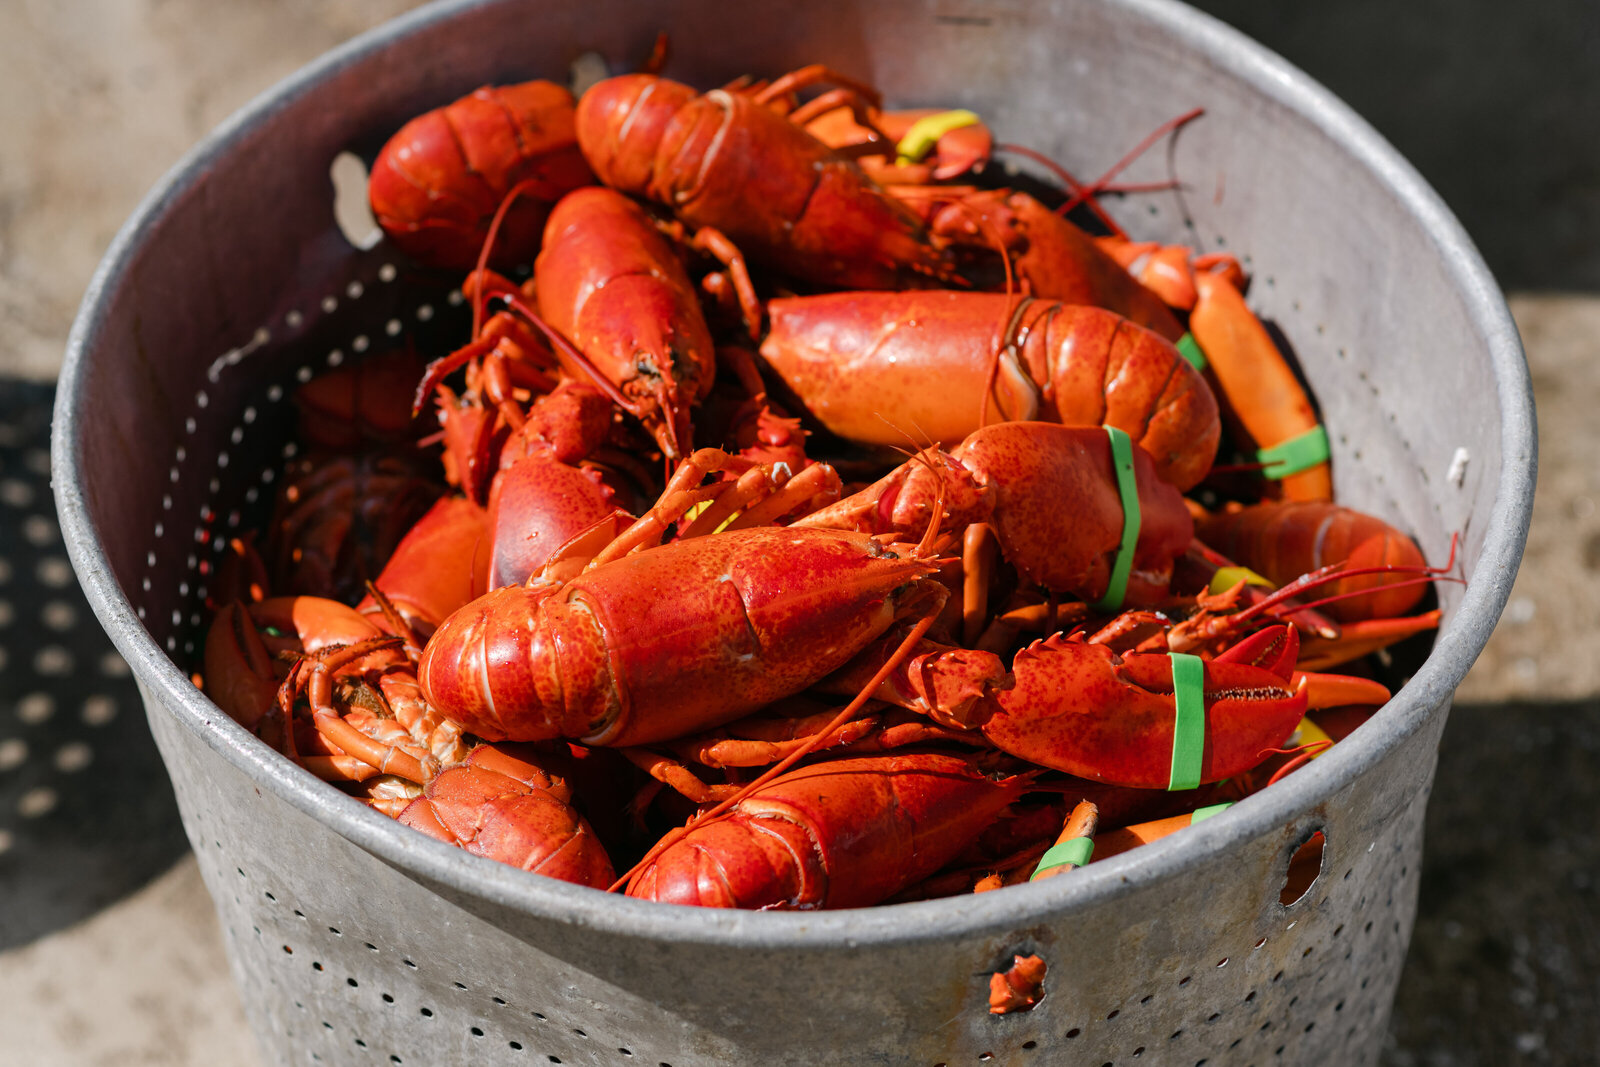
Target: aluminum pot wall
(355, 940)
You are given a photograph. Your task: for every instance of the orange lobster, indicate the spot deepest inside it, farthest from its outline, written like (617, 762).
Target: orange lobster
(865, 364)
(438, 182)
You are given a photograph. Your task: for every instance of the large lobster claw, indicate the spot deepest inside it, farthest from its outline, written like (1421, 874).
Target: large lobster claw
(1082, 709)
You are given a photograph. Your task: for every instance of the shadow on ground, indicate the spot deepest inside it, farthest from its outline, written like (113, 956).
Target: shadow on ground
(86, 812)
(1505, 959)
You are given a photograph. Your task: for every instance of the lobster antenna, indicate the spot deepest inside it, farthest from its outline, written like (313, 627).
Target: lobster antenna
(1082, 194)
(1170, 126)
(478, 297)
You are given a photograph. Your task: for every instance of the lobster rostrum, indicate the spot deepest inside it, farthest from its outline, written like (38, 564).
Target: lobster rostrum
(862, 364)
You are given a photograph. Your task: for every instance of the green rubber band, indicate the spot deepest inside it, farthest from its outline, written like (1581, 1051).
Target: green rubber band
(1297, 454)
(1188, 720)
(1189, 349)
(1128, 490)
(925, 133)
(1202, 814)
(1074, 850)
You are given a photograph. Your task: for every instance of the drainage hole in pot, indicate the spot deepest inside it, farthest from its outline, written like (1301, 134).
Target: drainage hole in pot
(1074, 1032)
(499, 1000)
(626, 1051)
(394, 1059)
(315, 966)
(427, 1013)
(1114, 1013)
(1138, 1052)
(516, 1046)
(459, 986)
(360, 1043)
(1030, 1044)
(351, 982)
(408, 963)
(387, 998)
(1175, 1035)
(476, 1032)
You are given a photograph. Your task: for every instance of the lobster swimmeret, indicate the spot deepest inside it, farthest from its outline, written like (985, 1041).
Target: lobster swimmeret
(716, 663)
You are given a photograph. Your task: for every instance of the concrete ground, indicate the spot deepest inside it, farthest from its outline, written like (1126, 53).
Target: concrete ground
(99, 97)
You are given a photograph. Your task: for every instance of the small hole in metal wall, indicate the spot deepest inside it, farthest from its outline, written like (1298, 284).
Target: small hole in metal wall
(1263, 941)
(1114, 1013)
(288, 950)
(408, 963)
(394, 1059)
(350, 208)
(1185, 980)
(476, 1032)
(554, 1059)
(315, 966)
(1030, 1044)
(334, 930)
(1248, 997)
(580, 1033)
(1307, 952)
(326, 1025)
(985, 1057)
(1305, 866)
(1147, 998)
(427, 1013)
(1339, 1006)
(1138, 1052)
(1310, 1027)
(1199, 1063)
(1277, 976)
(459, 986)
(351, 982)
(629, 1051)
(1175, 1035)
(1235, 1043)
(1213, 1017)
(1364, 982)
(270, 897)
(1074, 1032)
(515, 1045)
(1223, 962)
(370, 946)
(1279, 1050)
(499, 1000)
(387, 998)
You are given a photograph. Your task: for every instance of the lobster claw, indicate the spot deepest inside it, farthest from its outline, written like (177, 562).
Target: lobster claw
(1082, 709)
(239, 676)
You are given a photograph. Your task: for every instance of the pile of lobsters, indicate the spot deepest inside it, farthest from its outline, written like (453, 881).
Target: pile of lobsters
(801, 523)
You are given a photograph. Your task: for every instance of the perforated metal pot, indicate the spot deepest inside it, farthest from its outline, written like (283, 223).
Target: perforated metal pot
(355, 940)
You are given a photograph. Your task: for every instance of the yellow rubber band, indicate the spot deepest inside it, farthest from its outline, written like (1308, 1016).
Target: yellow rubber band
(1228, 577)
(925, 133)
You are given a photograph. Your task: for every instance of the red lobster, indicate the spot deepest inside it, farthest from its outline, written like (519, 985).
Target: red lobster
(728, 161)
(438, 182)
(841, 834)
